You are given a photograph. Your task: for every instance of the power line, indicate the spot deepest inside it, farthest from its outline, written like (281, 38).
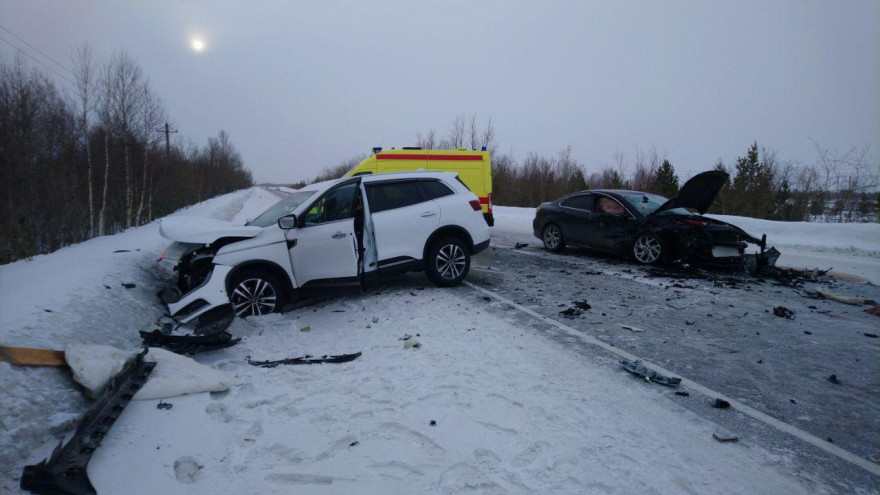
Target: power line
(35, 59)
(37, 50)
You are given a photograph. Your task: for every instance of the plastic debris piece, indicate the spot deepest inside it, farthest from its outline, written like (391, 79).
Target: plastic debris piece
(64, 472)
(682, 393)
(307, 359)
(723, 435)
(639, 369)
(630, 327)
(188, 344)
(433, 423)
(854, 300)
(720, 404)
(833, 379)
(164, 405)
(129, 285)
(783, 312)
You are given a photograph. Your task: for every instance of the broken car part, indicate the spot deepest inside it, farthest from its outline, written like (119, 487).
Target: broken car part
(639, 369)
(307, 359)
(188, 344)
(64, 472)
(826, 293)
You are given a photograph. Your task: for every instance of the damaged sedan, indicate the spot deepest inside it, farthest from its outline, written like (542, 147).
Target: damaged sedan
(651, 229)
(331, 234)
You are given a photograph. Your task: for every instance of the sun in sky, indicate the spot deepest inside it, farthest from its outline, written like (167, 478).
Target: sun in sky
(197, 44)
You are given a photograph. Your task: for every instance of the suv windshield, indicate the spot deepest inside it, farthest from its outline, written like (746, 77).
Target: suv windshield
(281, 208)
(646, 203)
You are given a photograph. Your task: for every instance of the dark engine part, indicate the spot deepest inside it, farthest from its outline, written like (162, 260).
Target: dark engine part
(64, 472)
(194, 268)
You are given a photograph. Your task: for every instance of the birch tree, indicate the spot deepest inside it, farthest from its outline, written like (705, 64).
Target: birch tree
(127, 103)
(151, 115)
(83, 70)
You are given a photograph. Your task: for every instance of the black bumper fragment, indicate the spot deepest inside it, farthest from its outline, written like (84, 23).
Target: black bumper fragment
(64, 472)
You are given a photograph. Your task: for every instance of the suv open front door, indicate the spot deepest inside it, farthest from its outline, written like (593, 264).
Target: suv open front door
(327, 233)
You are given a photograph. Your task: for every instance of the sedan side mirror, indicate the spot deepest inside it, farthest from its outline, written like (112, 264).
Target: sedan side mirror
(287, 222)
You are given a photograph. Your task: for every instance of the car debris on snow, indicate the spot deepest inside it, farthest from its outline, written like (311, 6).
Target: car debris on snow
(129, 285)
(189, 344)
(723, 435)
(64, 471)
(164, 405)
(783, 312)
(307, 359)
(412, 344)
(632, 328)
(720, 404)
(639, 369)
(826, 293)
(833, 379)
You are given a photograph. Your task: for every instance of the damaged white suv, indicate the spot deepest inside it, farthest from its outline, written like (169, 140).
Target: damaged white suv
(328, 234)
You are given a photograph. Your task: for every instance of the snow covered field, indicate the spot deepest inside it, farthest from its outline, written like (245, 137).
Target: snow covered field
(851, 249)
(486, 404)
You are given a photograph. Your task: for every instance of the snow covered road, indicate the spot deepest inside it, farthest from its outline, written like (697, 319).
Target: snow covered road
(516, 406)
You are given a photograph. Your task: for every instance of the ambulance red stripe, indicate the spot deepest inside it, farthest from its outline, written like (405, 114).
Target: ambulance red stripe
(389, 156)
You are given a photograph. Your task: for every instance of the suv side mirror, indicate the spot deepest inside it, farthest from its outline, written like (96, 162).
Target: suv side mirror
(287, 222)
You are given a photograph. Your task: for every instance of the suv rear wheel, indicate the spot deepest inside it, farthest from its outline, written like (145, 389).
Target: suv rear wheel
(448, 262)
(254, 293)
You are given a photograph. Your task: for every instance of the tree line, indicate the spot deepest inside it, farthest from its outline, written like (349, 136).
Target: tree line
(837, 187)
(93, 161)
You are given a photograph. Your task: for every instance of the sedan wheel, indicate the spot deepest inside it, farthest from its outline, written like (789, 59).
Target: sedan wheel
(647, 249)
(254, 296)
(552, 237)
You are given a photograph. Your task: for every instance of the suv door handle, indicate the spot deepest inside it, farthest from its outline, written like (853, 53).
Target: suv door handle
(338, 235)
(428, 214)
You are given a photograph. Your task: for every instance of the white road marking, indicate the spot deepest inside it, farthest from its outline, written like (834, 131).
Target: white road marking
(749, 411)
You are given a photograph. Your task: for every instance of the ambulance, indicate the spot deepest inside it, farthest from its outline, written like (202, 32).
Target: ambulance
(474, 168)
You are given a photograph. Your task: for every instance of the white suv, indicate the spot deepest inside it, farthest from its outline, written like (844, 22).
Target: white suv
(333, 233)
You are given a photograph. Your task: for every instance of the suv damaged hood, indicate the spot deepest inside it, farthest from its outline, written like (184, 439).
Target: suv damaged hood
(697, 193)
(203, 230)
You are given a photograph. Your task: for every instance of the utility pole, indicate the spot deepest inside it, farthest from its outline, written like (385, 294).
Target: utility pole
(168, 130)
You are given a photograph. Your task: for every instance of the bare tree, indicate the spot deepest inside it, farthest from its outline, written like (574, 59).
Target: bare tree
(106, 113)
(455, 138)
(151, 115)
(83, 70)
(428, 141)
(127, 103)
(488, 138)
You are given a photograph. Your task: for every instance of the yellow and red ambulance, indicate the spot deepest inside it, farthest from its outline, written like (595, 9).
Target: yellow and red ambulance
(474, 168)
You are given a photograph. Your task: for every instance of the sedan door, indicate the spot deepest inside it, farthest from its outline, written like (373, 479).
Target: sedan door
(402, 220)
(578, 218)
(323, 250)
(611, 225)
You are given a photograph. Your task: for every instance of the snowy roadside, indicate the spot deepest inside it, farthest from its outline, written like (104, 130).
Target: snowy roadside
(852, 249)
(515, 412)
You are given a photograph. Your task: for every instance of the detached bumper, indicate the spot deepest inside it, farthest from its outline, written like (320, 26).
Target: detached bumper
(209, 295)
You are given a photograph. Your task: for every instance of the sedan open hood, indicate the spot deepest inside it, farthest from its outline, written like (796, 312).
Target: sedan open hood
(203, 230)
(697, 193)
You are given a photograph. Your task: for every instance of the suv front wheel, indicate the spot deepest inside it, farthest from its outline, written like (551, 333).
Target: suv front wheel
(254, 293)
(448, 262)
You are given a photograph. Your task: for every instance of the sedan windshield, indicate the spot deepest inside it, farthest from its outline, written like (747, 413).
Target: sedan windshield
(646, 203)
(281, 208)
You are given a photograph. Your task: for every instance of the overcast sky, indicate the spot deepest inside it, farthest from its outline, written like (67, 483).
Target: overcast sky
(303, 85)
